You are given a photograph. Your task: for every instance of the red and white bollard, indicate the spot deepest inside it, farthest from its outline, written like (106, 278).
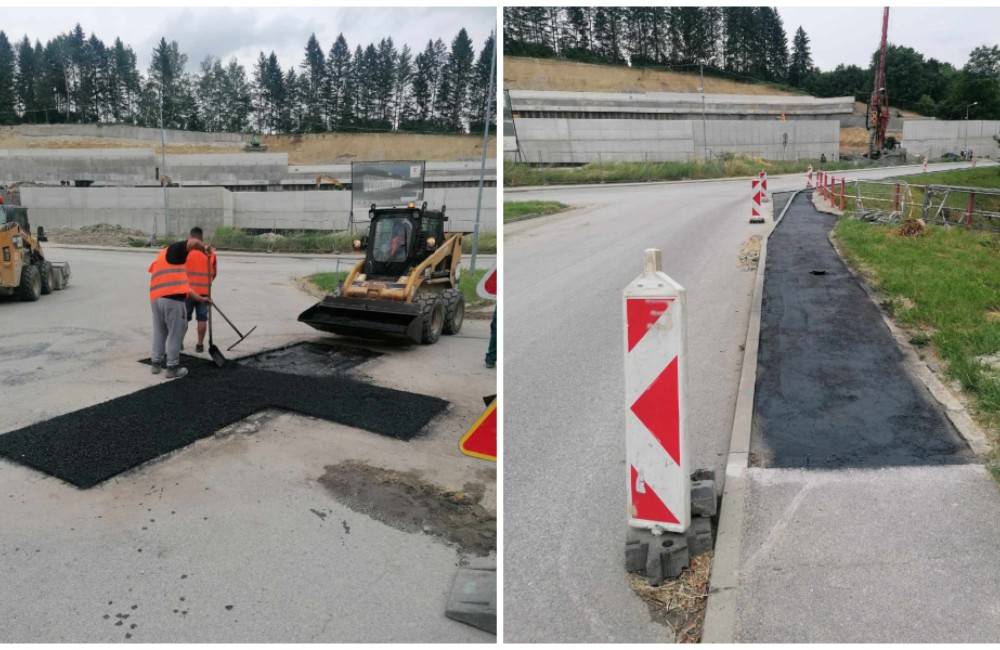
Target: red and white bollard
(756, 198)
(661, 495)
(843, 192)
(809, 177)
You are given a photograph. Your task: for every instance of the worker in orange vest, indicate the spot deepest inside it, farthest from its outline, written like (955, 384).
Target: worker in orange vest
(201, 269)
(169, 291)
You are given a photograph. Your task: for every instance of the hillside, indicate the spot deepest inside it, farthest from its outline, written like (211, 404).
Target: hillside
(525, 73)
(308, 149)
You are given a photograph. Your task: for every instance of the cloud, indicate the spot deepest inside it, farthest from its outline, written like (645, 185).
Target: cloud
(243, 32)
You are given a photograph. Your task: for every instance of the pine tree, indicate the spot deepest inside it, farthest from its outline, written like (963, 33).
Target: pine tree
(608, 33)
(402, 77)
(314, 87)
(454, 94)
(26, 81)
(480, 91)
(338, 75)
(8, 96)
(166, 78)
(801, 64)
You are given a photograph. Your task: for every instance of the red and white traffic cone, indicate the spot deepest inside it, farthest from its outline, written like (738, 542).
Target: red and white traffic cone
(756, 209)
(661, 494)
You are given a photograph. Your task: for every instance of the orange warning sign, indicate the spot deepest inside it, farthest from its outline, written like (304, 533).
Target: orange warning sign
(480, 441)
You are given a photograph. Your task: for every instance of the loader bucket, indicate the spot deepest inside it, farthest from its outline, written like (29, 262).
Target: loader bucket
(365, 318)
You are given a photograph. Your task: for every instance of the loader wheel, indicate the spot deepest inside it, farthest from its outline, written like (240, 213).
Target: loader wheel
(30, 288)
(48, 281)
(432, 312)
(454, 310)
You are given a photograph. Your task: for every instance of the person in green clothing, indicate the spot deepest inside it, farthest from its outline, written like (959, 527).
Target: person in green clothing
(491, 351)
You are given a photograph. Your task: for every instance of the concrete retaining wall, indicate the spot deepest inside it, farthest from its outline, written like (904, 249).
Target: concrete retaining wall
(211, 207)
(936, 137)
(679, 105)
(130, 207)
(126, 132)
(227, 168)
(119, 166)
(562, 140)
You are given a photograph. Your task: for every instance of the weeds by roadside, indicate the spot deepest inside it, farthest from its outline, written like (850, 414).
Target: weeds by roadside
(519, 210)
(328, 281)
(679, 603)
(523, 174)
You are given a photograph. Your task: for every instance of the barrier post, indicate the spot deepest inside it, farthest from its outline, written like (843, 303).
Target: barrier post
(763, 186)
(969, 208)
(756, 209)
(843, 191)
(895, 201)
(669, 508)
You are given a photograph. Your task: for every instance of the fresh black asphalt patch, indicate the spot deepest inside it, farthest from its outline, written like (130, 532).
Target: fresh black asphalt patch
(831, 389)
(93, 444)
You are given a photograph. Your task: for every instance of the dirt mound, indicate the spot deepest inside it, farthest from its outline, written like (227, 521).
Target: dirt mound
(526, 73)
(102, 234)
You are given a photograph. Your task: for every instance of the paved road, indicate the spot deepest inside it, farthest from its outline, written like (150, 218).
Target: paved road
(564, 472)
(231, 539)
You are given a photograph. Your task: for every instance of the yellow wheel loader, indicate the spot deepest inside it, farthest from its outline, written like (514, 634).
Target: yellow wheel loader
(407, 284)
(24, 270)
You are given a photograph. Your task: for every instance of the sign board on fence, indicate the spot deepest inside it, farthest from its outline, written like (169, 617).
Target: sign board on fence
(386, 183)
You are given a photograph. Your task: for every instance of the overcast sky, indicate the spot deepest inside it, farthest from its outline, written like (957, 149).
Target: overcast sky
(245, 31)
(850, 34)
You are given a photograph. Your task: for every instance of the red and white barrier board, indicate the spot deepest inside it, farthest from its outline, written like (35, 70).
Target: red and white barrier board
(487, 287)
(659, 488)
(765, 196)
(756, 202)
(809, 177)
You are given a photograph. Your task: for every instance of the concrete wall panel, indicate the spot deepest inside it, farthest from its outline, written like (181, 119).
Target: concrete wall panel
(934, 138)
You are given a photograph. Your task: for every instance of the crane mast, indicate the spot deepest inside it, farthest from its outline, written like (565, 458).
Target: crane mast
(878, 105)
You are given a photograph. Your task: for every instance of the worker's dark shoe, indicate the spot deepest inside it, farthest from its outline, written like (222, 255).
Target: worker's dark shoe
(155, 368)
(176, 372)
(491, 364)
(200, 347)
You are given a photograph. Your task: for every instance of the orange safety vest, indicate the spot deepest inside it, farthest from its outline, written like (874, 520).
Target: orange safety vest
(166, 279)
(199, 270)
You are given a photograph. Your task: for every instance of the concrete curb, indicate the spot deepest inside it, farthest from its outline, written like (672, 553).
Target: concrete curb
(305, 256)
(953, 406)
(720, 611)
(727, 179)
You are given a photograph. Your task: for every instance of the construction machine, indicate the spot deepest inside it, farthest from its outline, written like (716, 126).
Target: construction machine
(877, 117)
(406, 285)
(24, 270)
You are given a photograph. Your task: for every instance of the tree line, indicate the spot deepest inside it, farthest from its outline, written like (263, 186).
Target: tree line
(749, 43)
(74, 79)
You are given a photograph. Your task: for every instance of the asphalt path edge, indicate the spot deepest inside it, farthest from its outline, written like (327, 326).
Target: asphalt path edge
(720, 611)
(954, 408)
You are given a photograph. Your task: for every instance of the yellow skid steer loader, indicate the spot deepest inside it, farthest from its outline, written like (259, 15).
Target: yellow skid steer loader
(407, 284)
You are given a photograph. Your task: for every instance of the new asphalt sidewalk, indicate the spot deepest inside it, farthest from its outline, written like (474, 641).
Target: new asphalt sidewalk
(867, 518)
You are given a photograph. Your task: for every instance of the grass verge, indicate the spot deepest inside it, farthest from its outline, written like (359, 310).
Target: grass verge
(944, 287)
(327, 281)
(523, 174)
(518, 210)
(487, 243)
(229, 238)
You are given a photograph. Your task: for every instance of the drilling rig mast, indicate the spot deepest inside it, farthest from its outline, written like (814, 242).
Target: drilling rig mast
(877, 118)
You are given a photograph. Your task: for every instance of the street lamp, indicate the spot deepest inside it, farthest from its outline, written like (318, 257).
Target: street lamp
(967, 107)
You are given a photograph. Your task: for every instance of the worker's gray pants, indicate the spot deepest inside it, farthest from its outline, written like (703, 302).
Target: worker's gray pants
(169, 326)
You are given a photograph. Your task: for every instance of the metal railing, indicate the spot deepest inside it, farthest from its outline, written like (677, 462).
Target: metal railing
(945, 205)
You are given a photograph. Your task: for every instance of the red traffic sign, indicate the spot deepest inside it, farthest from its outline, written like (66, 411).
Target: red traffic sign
(480, 441)
(487, 287)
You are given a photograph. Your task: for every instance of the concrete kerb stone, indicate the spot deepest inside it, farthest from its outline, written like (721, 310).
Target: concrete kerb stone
(720, 612)
(473, 597)
(954, 408)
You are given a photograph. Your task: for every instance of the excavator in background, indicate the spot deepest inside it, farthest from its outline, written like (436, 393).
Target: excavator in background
(877, 117)
(406, 285)
(24, 270)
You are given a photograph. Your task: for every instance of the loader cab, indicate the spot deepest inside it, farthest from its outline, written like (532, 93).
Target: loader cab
(15, 214)
(401, 237)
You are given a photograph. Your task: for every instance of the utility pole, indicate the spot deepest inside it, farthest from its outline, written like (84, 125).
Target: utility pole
(704, 137)
(163, 172)
(482, 164)
(967, 107)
